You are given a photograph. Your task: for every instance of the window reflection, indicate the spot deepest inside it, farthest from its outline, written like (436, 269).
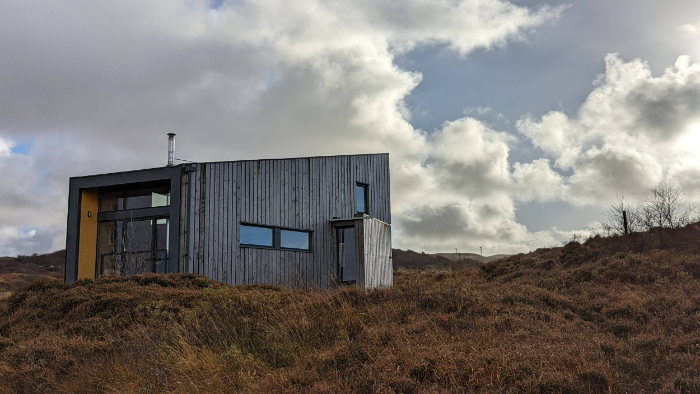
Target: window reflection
(134, 199)
(258, 236)
(361, 193)
(111, 201)
(294, 239)
(130, 247)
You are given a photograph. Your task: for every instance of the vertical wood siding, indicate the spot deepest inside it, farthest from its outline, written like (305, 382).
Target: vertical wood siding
(302, 194)
(375, 268)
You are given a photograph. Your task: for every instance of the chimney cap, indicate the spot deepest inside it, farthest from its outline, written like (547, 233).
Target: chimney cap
(171, 134)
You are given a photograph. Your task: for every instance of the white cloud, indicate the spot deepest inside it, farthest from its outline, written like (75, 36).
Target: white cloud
(274, 78)
(691, 28)
(632, 131)
(6, 146)
(251, 79)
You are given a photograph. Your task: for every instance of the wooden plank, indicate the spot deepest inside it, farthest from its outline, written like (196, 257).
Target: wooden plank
(285, 219)
(195, 222)
(238, 263)
(294, 195)
(224, 223)
(264, 203)
(259, 198)
(223, 270)
(207, 220)
(360, 254)
(226, 192)
(202, 218)
(215, 217)
(215, 211)
(327, 199)
(387, 183)
(248, 212)
(311, 260)
(320, 203)
(220, 224)
(274, 218)
(304, 202)
(233, 222)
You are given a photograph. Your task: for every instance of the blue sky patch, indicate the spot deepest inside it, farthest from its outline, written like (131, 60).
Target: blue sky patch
(22, 148)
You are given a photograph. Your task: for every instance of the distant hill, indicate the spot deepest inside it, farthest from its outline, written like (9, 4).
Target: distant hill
(409, 259)
(16, 272)
(48, 264)
(610, 315)
(473, 256)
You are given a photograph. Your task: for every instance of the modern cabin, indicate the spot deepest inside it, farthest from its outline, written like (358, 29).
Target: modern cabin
(308, 223)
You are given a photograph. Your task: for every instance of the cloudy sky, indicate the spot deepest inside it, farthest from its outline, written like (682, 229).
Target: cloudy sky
(506, 122)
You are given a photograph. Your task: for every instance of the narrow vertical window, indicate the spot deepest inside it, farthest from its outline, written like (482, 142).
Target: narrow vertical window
(362, 198)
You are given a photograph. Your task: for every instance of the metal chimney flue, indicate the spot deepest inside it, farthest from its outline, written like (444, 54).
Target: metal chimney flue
(171, 149)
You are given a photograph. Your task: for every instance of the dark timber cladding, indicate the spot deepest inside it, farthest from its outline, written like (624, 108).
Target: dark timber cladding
(303, 194)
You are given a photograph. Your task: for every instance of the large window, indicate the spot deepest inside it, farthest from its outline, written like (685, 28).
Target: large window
(128, 247)
(275, 237)
(133, 229)
(134, 199)
(361, 198)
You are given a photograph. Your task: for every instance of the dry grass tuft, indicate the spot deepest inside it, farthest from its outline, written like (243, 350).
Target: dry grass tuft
(611, 315)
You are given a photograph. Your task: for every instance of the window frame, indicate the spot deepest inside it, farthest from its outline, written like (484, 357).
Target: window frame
(241, 244)
(120, 225)
(276, 237)
(365, 196)
(126, 188)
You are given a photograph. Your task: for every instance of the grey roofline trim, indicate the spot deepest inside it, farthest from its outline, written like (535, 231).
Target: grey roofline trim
(173, 174)
(186, 166)
(290, 158)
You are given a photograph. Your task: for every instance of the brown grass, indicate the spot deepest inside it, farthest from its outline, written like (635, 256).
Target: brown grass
(612, 315)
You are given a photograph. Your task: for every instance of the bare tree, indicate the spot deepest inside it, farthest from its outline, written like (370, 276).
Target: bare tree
(664, 206)
(613, 222)
(129, 251)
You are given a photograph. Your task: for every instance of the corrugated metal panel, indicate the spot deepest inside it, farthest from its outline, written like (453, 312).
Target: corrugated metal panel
(296, 193)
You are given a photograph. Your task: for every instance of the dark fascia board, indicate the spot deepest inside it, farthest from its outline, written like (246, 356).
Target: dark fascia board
(294, 158)
(173, 173)
(188, 166)
(133, 214)
(343, 222)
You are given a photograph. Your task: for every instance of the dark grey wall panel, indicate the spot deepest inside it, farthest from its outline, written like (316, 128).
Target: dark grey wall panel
(304, 193)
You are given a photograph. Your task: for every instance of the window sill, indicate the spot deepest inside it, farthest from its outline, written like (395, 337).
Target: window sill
(273, 248)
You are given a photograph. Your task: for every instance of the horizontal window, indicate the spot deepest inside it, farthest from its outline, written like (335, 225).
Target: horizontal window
(274, 237)
(121, 200)
(290, 239)
(257, 236)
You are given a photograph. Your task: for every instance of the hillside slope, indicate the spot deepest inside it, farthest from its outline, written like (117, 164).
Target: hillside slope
(473, 256)
(616, 315)
(409, 259)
